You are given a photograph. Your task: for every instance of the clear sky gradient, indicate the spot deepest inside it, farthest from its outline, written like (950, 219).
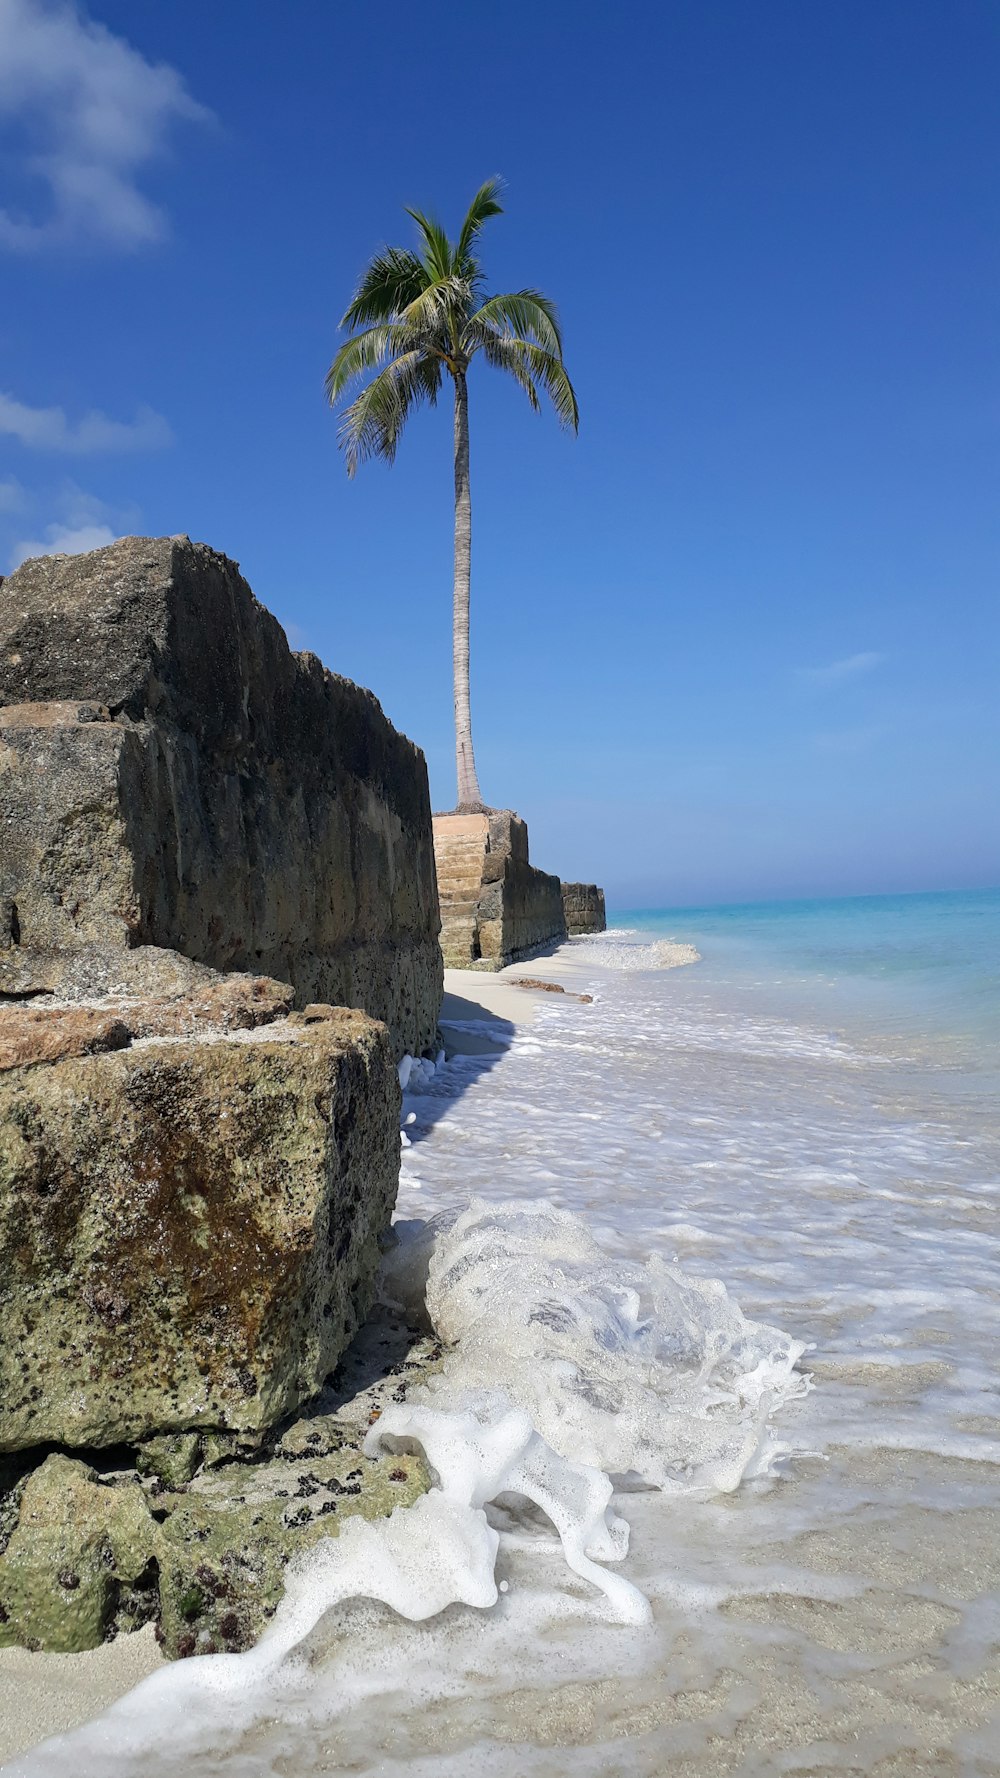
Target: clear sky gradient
(739, 639)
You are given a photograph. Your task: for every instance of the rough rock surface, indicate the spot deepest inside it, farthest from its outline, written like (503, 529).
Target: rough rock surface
(583, 907)
(495, 906)
(172, 775)
(80, 1560)
(197, 1539)
(189, 1226)
(178, 1005)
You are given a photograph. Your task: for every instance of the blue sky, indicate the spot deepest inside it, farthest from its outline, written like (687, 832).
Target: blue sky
(740, 637)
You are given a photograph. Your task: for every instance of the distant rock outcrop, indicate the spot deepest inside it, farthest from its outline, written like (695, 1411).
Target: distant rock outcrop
(173, 775)
(583, 906)
(495, 906)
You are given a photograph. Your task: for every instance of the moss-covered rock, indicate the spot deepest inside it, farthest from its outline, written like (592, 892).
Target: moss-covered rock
(227, 1541)
(80, 1562)
(172, 1460)
(199, 1541)
(189, 1228)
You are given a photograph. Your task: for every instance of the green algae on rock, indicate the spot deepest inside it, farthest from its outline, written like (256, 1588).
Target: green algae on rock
(225, 1543)
(85, 1557)
(80, 1562)
(189, 1227)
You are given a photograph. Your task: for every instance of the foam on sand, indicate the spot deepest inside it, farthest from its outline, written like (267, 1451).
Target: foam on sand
(417, 1561)
(488, 1449)
(626, 1366)
(565, 1364)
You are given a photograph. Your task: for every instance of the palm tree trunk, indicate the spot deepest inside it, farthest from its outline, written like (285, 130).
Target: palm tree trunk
(469, 794)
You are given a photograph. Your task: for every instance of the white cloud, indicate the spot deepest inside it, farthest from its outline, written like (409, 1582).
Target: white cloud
(83, 523)
(62, 540)
(92, 113)
(48, 429)
(853, 667)
(11, 496)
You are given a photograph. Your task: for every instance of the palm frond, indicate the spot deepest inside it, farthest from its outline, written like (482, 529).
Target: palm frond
(445, 298)
(391, 281)
(484, 205)
(526, 313)
(523, 359)
(364, 352)
(371, 426)
(500, 350)
(437, 256)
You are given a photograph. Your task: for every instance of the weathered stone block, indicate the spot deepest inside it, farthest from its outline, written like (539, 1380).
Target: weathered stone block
(495, 906)
(172, 775)
(189, 1227)
(226, 1541)
(583, 907)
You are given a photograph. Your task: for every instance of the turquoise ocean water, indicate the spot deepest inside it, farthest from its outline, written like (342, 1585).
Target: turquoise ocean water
(924, 969)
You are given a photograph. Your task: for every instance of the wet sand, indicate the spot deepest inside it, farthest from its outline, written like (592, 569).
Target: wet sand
(45, 1694)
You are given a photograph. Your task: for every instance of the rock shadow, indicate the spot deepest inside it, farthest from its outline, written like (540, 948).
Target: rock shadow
(475, 1040)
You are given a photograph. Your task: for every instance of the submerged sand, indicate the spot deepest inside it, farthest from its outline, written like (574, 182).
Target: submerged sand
(846, 1620)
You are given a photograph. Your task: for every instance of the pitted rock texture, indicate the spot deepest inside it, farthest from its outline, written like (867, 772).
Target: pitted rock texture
(190, 1225)
(38, 1030)
(80, 1561)
(172, 775)
(583, 906)
(495, 906)
(197, 1537)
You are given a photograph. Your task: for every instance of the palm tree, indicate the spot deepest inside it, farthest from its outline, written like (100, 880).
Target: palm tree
(416, 315)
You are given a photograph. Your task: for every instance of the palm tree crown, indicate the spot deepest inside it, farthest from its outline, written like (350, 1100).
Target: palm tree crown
(416, 315)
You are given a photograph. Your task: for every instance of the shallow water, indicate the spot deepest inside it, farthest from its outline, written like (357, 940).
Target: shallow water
(835, 1162)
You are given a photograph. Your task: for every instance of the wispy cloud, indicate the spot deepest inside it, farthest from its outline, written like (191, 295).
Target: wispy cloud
(48, 429)
(62, 540)
(11, 496)
(853, 666)
(83, 522)
(92, 113)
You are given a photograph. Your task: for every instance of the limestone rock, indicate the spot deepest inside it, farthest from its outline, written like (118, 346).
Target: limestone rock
(495, 906)
(79, 1562)
(165, 992)
(171, 1460)
(583, 906)
(189, 1227)
(227, 1540)
(39, 1034)
(173, 776)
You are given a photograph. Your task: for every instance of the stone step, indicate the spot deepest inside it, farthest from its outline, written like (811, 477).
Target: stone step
(463, 848)
(472, 867)
(467, 891)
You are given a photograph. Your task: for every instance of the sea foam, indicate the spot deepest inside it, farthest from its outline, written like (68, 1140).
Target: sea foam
(626, 1366)
(564, 1364)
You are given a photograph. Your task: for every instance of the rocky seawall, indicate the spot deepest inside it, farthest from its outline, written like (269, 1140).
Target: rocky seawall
(173, 775)
(583, 908)
(218, 935)
(495, 905)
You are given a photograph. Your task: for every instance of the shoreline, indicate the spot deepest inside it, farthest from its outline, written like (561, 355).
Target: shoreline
(44, 1694)
(747, 1148)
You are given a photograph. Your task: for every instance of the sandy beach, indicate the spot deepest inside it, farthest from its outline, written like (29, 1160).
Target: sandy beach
(836, 1611)
(46, 1694)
